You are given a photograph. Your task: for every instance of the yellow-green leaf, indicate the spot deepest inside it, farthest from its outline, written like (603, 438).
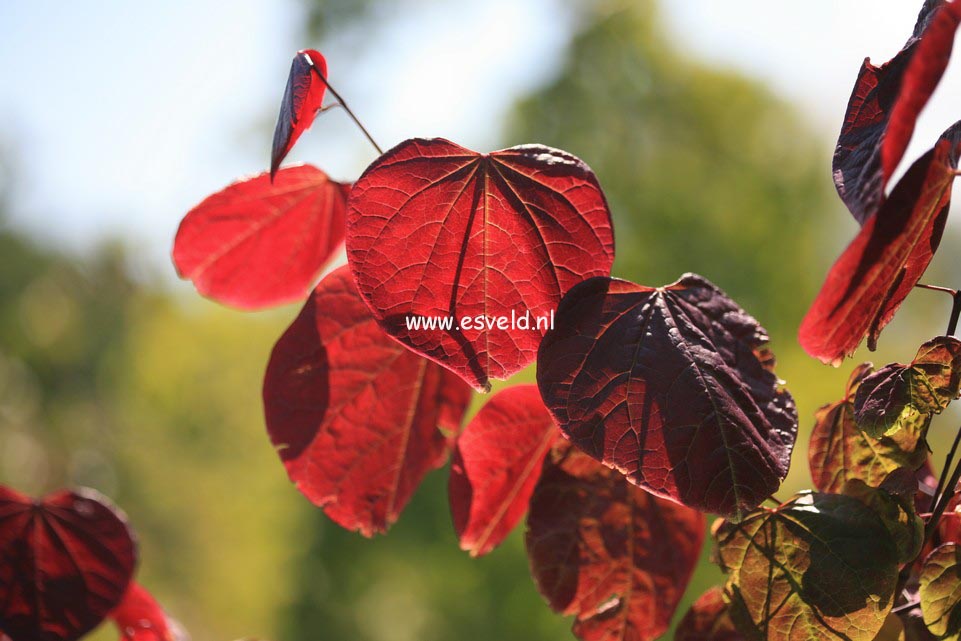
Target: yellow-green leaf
(898, 396)
(839, 452)
(941, 591)
(819, 567)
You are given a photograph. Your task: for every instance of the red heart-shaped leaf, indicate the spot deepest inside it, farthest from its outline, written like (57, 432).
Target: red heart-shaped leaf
(303, 97)
(870, 280)
(436, 230)
(65, 563)
(140, 618)
(256, 244)
(672, 387)
(354, 414)
(884, 107)
(496, 463)
(606, 551)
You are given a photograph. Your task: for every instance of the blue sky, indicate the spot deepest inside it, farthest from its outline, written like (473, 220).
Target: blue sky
(120, 116)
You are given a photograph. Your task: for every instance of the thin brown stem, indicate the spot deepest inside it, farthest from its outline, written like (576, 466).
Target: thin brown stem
(955, 314)
(937, 288)
(942, 500)
(944, 471)
(906, 606)
(343, 104)
(955, 306)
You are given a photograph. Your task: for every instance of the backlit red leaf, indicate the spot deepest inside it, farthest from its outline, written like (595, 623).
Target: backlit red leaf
(256, 244)
(871, 279)
(606, 551)
(65, 563)
(708, 620)
(884, 106)
(496, 463)
(140, 618)
(436, 230)
(302, 99)
(355, 416)
(666, 386)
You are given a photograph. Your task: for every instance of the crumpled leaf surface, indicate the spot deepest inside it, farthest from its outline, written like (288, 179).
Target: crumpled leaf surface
(437, 230)
(606, 551)
(872, 277)
(821, 566)
(496, 462)
(941, 591)
(840, 452)
(356, 417)
(65, 562)
(884, 107)
(708, 620)
(303, 98)
(258, 243)
(671, 386)
(898, 397)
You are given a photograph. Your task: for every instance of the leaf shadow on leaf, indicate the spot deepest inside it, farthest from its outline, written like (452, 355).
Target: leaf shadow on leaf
(818, 584)
(312, 354)
(889, 226)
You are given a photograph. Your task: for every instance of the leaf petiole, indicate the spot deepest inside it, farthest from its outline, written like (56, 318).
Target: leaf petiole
(343, 104)
(955, 307)
(942, 500)
(327, 108)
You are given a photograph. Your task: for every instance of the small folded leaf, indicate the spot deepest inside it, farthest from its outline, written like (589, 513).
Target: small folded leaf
(821, 566)
(606, 551)
(884, 106)
(356, 417)
(435, 230)
(665, 385)
(140, 618)
(941, 591)
(303, 98)
(904, 396)
(256, 244)
(840, 452)
(65, 563)
(496, 463)
(867, 284)
(708, 620)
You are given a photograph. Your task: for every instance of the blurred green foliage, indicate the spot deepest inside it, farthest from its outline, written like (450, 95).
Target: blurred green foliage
(112, 383)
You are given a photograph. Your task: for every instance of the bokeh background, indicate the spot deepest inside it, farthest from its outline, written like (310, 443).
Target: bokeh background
(710, 126)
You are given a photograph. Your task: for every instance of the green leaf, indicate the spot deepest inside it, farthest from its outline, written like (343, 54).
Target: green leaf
(941, 591)
(821, 566)
(906, 396)
(892, 630)
(896, 512)
(839, 452)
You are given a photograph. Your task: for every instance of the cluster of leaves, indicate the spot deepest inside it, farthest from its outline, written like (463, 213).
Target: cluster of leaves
(867, 555)
(67, 562)
(615, 454)
(900, 230)
(653, 405)
(852, 560)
